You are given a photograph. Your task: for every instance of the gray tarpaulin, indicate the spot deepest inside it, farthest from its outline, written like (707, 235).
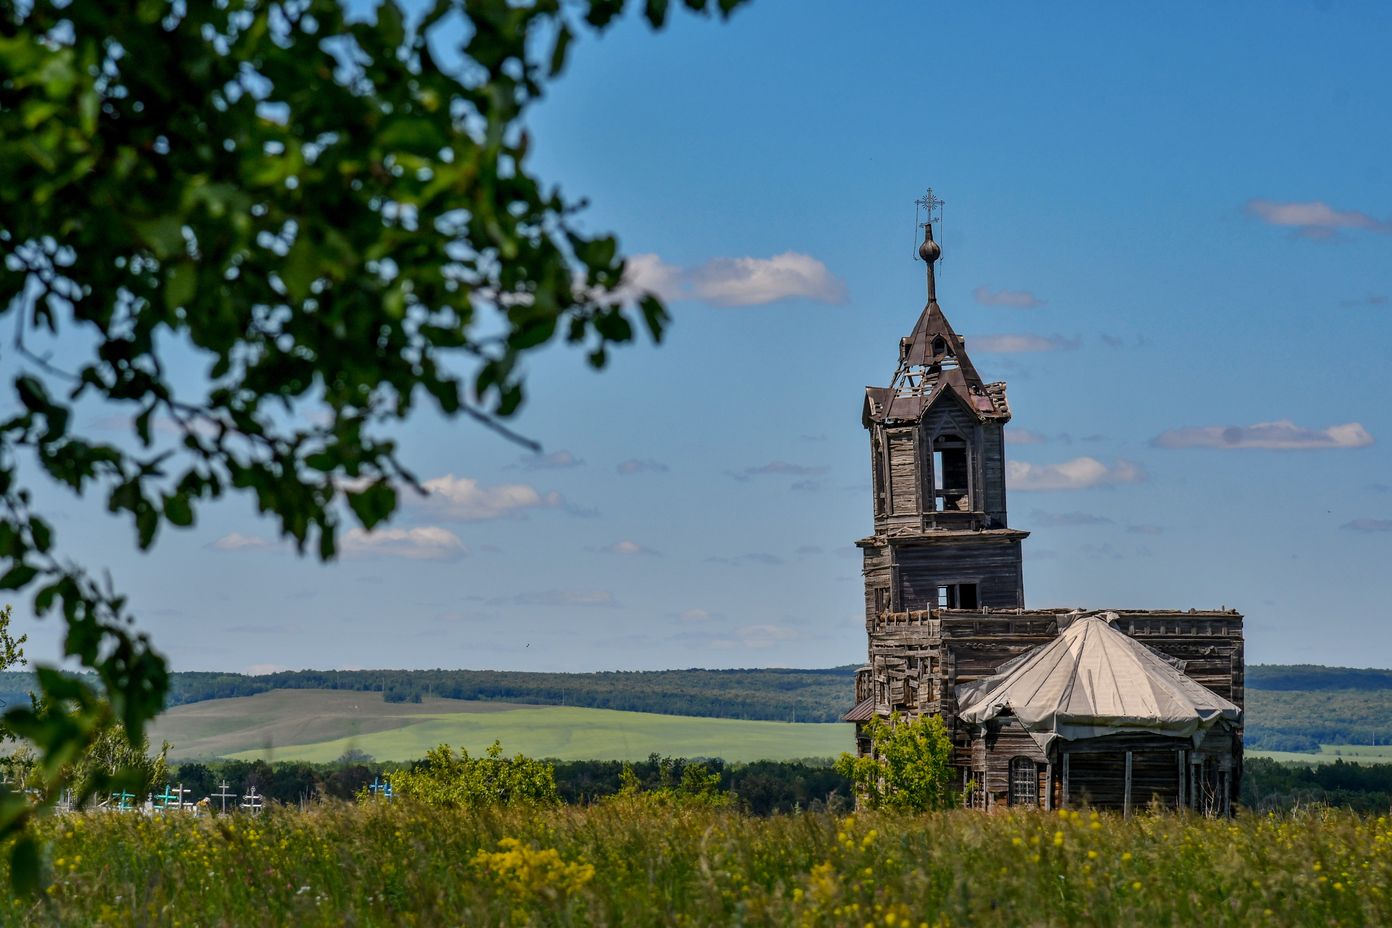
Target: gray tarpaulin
(1093, 680)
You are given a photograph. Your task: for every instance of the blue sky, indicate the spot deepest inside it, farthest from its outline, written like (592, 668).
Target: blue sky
(1169, 228)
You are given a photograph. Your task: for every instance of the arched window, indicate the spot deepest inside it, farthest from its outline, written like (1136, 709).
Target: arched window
(1024, 782)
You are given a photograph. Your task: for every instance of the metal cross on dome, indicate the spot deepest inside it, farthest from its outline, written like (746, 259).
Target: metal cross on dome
(927, 209)
(930, 206)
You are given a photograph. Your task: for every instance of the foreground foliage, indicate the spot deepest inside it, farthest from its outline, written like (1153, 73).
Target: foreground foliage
(256, 235)
(623, 862)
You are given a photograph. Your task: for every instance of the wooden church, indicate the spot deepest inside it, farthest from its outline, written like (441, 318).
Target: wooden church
(1050, 708)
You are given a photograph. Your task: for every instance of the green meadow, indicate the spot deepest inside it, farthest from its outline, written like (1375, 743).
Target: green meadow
(320, 725)
(631, 862)
(1328, 753)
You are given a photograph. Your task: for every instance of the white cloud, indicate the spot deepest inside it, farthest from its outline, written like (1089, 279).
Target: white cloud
(425, 543)
(465, 500)
(628, 549)
(236, 541)
(1016, 436)
(1313, 218)
(737, 281)
(1077, 474)
(695, 615)
(1016, 299)
(261, 670)
(1015, 343)
(648, 272)
(1282, 435)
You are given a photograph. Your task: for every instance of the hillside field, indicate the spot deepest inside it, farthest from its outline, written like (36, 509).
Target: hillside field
(320, 725)
(1328, 753)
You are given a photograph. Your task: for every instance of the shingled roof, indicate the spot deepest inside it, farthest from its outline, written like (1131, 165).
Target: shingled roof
(933, 361)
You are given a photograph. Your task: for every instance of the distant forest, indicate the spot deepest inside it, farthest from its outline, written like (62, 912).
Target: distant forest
(771, 694)
(1353, 706)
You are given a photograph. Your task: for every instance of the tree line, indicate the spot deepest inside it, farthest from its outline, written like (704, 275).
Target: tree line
(762, 787)
(769, 694)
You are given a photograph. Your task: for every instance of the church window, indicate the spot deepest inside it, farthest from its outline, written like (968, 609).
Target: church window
(958, 596)
(951, 475)
(1024, 782)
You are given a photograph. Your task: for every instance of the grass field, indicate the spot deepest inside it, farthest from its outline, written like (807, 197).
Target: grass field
(319, 725)
(1363, 753)
(628, 862)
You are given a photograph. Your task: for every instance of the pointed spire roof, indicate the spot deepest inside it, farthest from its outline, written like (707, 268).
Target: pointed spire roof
(932, 361)
(1095, 680)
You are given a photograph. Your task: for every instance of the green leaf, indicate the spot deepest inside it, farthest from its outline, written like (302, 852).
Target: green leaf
(18, 577)
(177, 510)
(654, 315)
(656, 12)
(559, 50)
(389, 24)
(42, 535)
(163, 234)
(373, 504)
(25, 870)
(300, 269)
(181, 285)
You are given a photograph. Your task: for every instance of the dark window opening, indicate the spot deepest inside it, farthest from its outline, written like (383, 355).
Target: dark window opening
(1024, 782)
(951, 480)
(958, 596)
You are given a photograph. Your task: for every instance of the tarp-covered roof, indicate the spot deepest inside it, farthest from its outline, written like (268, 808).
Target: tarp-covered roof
(1094, 680)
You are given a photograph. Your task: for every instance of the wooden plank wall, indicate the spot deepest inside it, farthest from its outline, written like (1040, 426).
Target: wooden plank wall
(993, 474)
(903, 472)
(994, 566)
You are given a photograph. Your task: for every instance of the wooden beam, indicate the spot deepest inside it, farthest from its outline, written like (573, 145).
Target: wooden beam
(1126, 793)
(1065, 781)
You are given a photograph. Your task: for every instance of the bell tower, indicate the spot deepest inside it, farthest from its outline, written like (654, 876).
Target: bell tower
(937, 458)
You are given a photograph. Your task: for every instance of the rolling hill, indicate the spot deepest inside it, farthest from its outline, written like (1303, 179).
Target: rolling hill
(320, 725)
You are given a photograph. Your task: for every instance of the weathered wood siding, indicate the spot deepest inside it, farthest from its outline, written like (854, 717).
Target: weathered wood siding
(993, 565)
(993, 474)
(903, 472)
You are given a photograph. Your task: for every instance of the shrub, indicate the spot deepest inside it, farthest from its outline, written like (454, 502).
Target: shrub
(448, 780)
(907, 767)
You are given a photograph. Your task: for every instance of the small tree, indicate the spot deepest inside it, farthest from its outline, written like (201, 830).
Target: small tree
(696, 785)
(448, 780)
(908, 767)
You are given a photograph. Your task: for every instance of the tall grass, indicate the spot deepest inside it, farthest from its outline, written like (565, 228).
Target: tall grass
(628, 862)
